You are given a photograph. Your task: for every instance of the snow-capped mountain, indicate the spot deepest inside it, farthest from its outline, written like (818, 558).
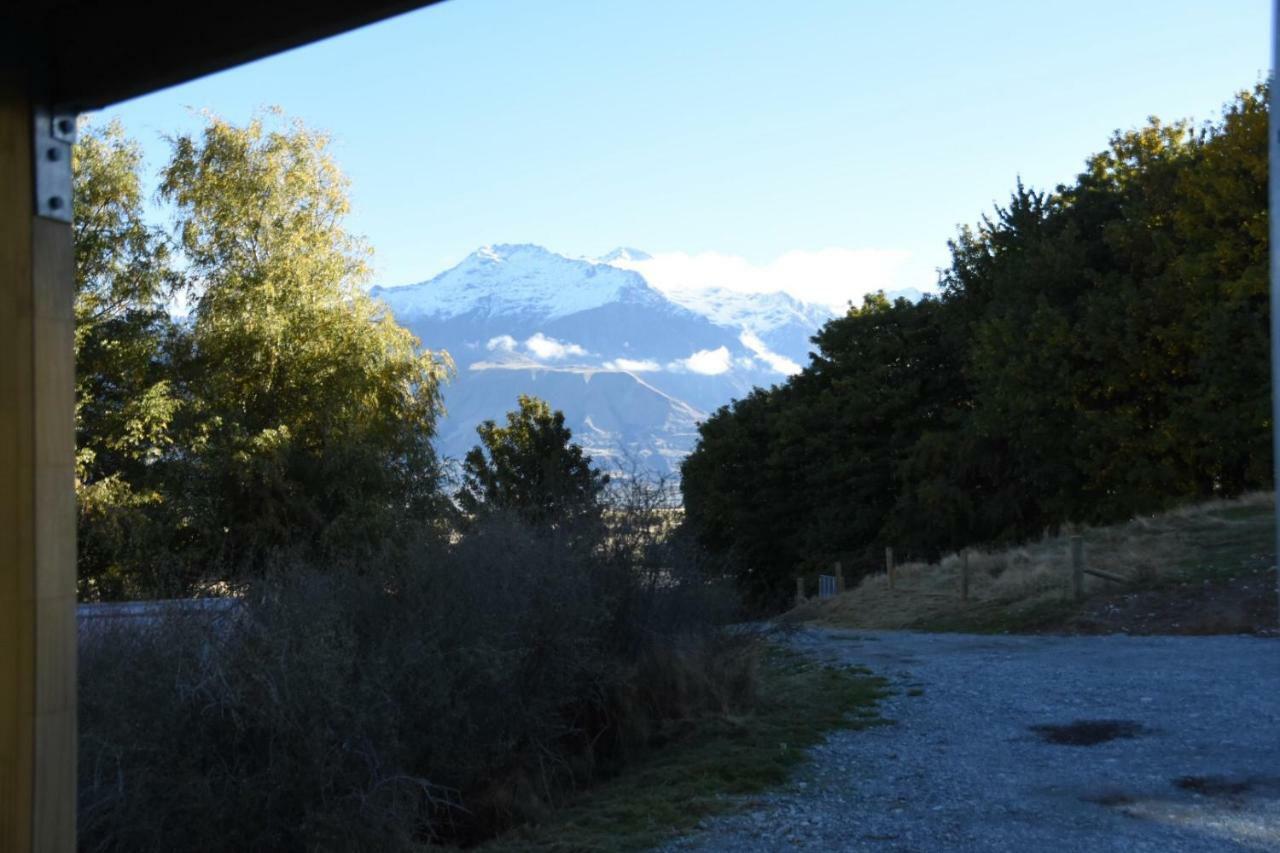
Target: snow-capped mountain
(761, 313)
(518, 280)
(633, 368)
(624, 255)
(774, 326)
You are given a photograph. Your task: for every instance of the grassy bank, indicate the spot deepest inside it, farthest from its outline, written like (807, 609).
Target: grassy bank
(1223, 545)
(709, 764)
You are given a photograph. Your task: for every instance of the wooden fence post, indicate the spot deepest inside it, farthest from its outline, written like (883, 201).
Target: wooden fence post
(964, 575)
(1077, 568)
(799, 591)
(839, 578)
(888, 564)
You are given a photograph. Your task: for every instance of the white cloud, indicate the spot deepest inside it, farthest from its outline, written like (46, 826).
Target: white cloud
(780, 363)
(550, 348)
(632, 365)
(708, 362)
(502, 343)
(831, 277)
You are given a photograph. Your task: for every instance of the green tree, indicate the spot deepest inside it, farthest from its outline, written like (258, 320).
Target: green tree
(126, 398)
(1222, 419)
(1021, 273)
(739, 502)
(1097, 351)
(313, 412)
(532, 467)
(790, 478)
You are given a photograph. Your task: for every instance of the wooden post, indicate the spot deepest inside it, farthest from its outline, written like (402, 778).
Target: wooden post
(964, 575)
(839, 578)
(1077, 568)
(799, 591)
(37, 504)
(888, 564)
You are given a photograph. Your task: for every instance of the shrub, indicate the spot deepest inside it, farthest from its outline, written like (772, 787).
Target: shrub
(439, 694)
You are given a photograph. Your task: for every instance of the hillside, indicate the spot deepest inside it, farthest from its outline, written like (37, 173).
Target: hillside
(1202, 569)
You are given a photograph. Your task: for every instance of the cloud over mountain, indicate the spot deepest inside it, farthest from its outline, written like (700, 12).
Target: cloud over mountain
(551, 349)
(708, 362)
(831, 277)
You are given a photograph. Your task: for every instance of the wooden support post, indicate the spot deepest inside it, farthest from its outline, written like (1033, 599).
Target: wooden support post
(964, 575)
(37, 504)
(888, 564)
(839, 570)
(1077, 568)
(799, 591)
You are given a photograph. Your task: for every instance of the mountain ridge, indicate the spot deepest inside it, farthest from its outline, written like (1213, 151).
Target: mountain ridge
(634, 368)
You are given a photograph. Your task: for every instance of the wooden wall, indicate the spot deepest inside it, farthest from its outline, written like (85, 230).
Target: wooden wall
(37, 506)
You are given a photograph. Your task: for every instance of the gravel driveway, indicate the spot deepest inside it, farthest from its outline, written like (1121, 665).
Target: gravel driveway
(1185, 753)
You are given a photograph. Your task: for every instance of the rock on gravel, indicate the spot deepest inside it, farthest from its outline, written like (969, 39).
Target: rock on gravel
(1028, 744)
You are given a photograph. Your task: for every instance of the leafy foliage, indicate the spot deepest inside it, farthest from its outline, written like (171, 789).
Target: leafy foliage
(289, 413)
(126, 398)
(1095, 352)
(533, 468)
(316, 409)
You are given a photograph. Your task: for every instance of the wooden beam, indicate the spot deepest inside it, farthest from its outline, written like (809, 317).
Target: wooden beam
(17, 636)
(37, 505)
(92, 53)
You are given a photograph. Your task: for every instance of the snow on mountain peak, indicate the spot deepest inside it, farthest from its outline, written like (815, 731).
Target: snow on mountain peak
(751, 309)
(503, 252)
(624, 254)
(755, 312)
(517, 279)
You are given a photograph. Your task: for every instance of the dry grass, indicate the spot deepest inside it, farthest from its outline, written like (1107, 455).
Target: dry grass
(1023, 585)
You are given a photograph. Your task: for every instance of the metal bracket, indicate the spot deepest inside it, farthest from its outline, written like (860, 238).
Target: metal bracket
(51, 148)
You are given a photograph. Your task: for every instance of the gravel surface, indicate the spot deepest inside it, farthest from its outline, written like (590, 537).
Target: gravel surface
(968, 763)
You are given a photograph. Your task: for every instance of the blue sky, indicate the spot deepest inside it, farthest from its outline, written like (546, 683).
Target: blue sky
(735, 140)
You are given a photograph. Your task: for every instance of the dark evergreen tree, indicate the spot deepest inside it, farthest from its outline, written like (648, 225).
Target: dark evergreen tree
(1097, 351)
(533, 468)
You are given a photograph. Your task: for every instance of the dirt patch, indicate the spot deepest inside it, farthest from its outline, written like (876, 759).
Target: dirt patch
(1089, 732)
(1240, 604)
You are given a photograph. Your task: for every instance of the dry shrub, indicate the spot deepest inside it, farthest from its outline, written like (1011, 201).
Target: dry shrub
(440, 695)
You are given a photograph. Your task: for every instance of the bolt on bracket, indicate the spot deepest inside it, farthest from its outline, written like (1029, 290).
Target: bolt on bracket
(55, 131)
